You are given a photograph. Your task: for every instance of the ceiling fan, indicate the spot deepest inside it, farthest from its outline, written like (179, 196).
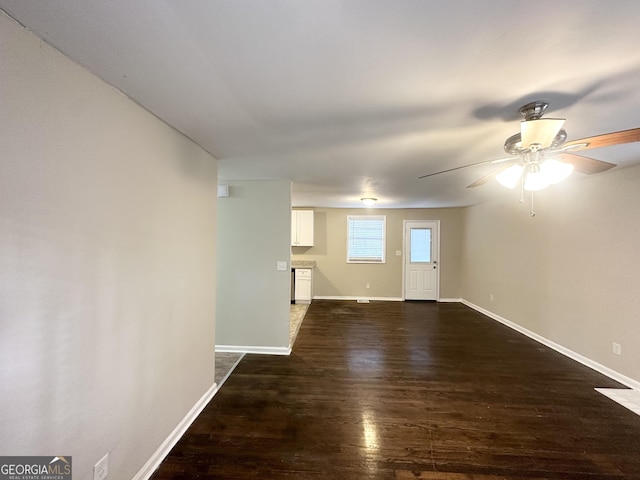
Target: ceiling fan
(540, 156)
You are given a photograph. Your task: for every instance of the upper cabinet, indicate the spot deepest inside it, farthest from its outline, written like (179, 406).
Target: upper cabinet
(302, 228)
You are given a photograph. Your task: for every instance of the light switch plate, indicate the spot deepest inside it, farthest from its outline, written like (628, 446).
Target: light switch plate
(281, 266)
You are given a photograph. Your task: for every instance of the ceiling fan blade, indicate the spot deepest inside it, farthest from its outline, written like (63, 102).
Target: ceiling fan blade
(606, 140)
(486, 178)
(584, 164)
(500, 160)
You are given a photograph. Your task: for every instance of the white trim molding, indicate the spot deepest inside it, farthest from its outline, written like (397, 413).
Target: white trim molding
(163, 450)
(254, 349)
(598, 367)
(380, 299)
(352, 298)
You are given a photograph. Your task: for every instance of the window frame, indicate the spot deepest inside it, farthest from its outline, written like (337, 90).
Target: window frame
(383, 246)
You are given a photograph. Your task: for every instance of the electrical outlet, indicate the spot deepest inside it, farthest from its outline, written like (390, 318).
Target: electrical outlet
(491, 297)
(101, 469)
(616, 348)
(367, 285)
(281, 266)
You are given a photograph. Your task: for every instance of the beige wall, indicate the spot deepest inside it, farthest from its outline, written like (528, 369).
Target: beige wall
(572, 273)
(107, 266)
(334, 277)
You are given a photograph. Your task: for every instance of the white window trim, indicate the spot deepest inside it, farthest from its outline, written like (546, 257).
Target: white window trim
(384, 237)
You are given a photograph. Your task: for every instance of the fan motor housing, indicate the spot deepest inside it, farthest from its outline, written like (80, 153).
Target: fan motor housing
(533, 110)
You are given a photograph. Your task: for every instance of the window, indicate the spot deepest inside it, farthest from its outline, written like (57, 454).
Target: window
(366, 238)
(420, 245)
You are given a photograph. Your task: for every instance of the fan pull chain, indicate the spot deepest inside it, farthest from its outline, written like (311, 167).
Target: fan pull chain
(531, 212)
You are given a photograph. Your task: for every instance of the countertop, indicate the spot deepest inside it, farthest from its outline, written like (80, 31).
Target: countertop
(303, 264)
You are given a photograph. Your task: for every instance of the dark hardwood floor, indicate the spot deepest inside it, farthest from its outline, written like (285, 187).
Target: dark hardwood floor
(392, 390)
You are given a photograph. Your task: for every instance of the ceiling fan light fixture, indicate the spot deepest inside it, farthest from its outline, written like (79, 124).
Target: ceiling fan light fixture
(535, 179)
(369, 201)
(556, 171)
(542, 131)
(509, 177)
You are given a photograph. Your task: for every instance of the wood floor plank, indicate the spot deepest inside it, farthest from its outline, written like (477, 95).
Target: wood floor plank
(409, 390)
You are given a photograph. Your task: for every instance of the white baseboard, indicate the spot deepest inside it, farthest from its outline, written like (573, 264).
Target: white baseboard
(254, 349)
(154, 462)
(598, 367)
(374, 299)
(380, 299)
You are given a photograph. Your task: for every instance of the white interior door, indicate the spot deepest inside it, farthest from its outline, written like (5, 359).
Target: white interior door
(421, 254)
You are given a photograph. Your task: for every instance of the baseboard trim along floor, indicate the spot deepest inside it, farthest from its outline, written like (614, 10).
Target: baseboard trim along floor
(253, 349)
(156, 459)
(374, 299)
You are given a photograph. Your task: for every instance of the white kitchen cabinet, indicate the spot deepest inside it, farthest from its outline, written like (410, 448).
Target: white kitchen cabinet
(303, 285)
(302, 228)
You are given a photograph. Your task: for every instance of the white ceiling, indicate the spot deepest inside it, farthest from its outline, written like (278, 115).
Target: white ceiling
(352, 98)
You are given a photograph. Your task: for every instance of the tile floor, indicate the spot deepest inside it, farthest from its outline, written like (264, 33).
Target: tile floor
(225, 362)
